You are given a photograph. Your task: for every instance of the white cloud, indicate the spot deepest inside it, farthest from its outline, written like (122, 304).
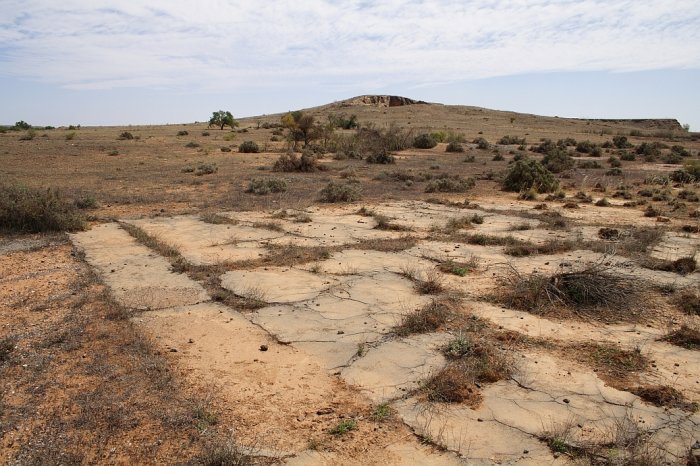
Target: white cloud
(221, 44)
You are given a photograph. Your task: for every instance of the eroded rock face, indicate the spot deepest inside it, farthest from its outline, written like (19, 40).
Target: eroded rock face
(381, 101)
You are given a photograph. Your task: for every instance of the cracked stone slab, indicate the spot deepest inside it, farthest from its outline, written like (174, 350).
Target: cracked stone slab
(204, 243)
(546, 393)
(278, 284)
(332, 325)
(357, 261)
(137, 277)
(329, 229)
(458, 429)
(396, 367)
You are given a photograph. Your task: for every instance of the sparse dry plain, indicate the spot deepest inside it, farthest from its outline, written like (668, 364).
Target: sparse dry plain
(193, 321)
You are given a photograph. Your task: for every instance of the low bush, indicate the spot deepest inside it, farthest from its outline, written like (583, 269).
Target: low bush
(424, 141)
(340, 192)
(482, 143)
(614, 162)
(290, 162)
(248, 147)
(206, 168)
(508, 140)
(28, 210)
(621, 142)
(125, 135)
(183, 133)
(558, 161)
(455, 184)
(526, 174)
(263, 186)
(454, 147)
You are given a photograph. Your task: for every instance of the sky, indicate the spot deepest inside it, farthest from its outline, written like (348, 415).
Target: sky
(114, 62)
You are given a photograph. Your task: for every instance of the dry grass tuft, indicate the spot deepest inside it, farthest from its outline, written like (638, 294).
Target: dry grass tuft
(663, 395)
(429, 318)
(593, 289)
(686, 336)
(459, 268)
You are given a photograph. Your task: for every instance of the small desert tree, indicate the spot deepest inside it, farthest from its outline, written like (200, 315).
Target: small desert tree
(300, 126)
(222, 118)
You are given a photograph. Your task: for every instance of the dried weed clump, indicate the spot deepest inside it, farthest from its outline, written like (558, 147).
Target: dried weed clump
(474, 358)
(592, 290)
(429, 318)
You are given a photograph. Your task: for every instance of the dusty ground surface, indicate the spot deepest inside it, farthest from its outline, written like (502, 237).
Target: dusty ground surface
(276, 330)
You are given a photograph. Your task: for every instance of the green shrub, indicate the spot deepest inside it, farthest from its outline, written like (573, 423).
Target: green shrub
(454, 147)
(621, 142)
(125, 135)
(649, 150)
(482, 143)
(192, 144)
(248, 147)
(22, 125)
(455, 184)
(614, 162)
(498, 157)
(508, 140)
(693, 168)
(673, 158)
(628, 156)
(680, 150)
(526, 174)
(587, 164)
(558, 161)
(340, 192)
(585, 147)
(206, 169)
(29, 210)
(424, 141)
(183, 133)
(262, 186)
(614, 172)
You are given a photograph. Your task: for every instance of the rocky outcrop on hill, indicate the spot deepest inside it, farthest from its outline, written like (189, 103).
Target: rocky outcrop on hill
(380, 101)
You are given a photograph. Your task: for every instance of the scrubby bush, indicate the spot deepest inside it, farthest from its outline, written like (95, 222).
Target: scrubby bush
(290, 162)
(125, 135)
(380, 156)
(206, 168)
(585, 147)
(621, 142)
(248, 147)
(262, 186)
(508, 140)
(454, 184)
(558, 161)
(680, 150)
(614, 172)
(545, 147)
(614, 162)
(672, 158)
(482, 143)
(28, 136)
(498, 157)
(424, 141)
(587, 164)
(526, 174)
(29, 210)
(628, 156)
(183, 133)
(225, 149)
(192, 144)
(649, 150)
(454, 147)
(340, 192)
(22, 125)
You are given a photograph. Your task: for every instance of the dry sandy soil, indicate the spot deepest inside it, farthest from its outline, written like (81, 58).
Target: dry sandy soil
(195, 323)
